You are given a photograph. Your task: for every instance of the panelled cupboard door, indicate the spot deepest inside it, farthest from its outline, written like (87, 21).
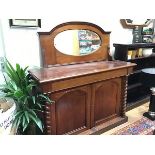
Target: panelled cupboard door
(106, 97)
(70, 113)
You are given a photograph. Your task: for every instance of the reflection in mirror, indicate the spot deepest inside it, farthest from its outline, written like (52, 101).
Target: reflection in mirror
(77, 42)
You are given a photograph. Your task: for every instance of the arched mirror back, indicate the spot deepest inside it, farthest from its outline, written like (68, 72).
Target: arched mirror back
(74, 42)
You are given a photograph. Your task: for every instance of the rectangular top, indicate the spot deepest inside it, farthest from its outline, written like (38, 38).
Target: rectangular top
(70, 71)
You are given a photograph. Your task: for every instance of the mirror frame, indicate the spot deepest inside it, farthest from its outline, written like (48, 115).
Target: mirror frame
(128, 25)
(51, 56)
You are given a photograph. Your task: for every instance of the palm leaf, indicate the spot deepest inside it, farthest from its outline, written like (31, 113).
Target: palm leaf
(25, 126)
(34, 99)
(27, 116)
(37, 121)
(46, 98)
(23, 121)
(23, 89)
(39, 105)
(25, 69)
(11, 72)
(18, 93)
(17, 120)
(18, 113)
(32, 112)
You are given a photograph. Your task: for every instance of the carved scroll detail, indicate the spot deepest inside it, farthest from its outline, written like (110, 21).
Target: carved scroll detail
(124, 95)
(48, 119)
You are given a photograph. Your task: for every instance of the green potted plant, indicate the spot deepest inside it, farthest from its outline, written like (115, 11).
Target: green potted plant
(29, 100)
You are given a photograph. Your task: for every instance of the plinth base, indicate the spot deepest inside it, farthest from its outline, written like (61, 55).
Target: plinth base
(146, 114)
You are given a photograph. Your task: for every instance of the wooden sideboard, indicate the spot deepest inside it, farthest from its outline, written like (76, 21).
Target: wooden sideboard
(89, 98)
(89, 94)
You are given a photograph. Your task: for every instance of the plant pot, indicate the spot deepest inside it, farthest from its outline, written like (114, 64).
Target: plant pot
(8, 108)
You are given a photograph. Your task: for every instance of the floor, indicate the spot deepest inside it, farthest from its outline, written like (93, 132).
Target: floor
(133, 115)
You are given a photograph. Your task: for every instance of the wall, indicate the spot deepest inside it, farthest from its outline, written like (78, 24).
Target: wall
(22, 44)
(2, 49)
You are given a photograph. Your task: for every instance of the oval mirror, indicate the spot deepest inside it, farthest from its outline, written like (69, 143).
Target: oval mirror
(77, 42)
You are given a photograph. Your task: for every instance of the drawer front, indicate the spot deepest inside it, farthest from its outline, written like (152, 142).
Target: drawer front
(83, 80)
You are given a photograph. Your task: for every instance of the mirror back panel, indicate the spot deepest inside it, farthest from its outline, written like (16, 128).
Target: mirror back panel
(74, 42)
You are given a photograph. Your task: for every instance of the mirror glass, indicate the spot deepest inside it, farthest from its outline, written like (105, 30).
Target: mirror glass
(77, 42)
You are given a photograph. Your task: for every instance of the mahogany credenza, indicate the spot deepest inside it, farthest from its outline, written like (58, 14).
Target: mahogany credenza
(89, 91)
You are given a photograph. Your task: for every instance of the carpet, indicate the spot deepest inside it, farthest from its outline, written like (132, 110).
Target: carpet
(144, 126)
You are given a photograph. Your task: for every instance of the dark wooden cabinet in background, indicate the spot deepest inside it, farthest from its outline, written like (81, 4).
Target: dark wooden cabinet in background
(136, 93)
